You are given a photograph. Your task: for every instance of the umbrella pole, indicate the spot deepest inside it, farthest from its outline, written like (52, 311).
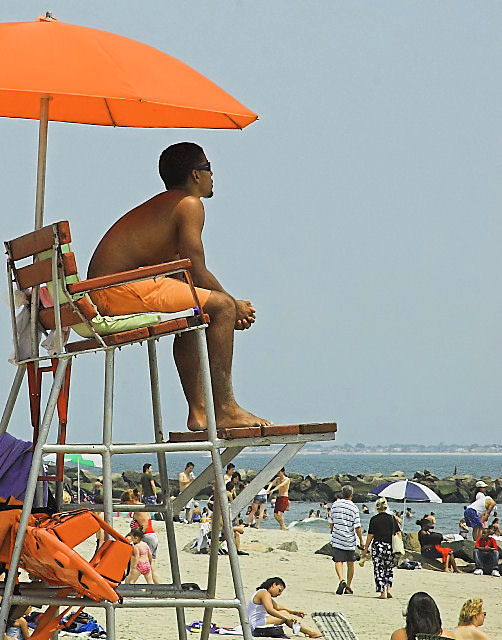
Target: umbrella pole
(78, 480)
(39, 211)
(42, 161)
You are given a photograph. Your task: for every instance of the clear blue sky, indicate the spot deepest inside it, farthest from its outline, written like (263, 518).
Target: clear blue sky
(361, 213)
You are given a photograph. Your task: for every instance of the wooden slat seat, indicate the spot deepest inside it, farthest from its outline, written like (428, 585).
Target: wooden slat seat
(319, 427)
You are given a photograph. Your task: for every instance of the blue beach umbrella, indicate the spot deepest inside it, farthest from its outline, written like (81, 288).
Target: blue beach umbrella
(407, 491)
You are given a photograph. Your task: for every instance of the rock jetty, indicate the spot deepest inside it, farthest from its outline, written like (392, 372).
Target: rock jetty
(311, 488)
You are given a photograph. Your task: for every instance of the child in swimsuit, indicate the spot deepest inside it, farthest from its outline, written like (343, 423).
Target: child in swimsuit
(141, 562)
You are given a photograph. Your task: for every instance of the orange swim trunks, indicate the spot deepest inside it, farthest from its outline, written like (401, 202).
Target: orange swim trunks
(162, 294)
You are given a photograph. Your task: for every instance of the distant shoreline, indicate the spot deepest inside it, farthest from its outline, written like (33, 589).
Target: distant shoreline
(405, 453)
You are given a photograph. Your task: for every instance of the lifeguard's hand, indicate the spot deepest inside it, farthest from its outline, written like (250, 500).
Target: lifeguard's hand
(245, 314)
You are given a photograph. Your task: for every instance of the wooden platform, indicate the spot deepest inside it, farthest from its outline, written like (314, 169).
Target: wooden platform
(273, 432)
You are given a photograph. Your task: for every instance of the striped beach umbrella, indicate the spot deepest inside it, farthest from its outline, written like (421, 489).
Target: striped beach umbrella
(406, 490)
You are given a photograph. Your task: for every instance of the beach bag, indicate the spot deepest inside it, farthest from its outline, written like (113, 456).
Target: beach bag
(397, 545)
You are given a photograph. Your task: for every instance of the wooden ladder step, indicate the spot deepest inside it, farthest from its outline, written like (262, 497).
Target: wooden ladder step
(254, 432)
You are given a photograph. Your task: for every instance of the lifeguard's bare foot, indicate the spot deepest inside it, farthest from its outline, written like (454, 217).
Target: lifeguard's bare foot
(226, 419)
(239, 417)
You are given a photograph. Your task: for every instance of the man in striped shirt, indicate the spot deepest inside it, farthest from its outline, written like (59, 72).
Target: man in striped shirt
(345, 526)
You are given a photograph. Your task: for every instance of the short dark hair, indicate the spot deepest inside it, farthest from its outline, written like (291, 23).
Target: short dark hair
(177, 161)
(189, 464)
(231, 465)
(422, 615)
(136, 533)
(146, 466)
(229, 486)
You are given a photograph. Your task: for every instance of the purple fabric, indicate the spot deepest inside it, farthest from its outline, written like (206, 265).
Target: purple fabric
(15, 461)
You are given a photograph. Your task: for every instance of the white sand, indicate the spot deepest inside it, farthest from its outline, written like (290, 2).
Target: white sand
(311, 583)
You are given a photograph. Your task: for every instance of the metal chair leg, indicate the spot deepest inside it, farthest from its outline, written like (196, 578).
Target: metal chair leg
(220, 492)
(12, 397)
(107, 464)
(36, 464)
(164, 482)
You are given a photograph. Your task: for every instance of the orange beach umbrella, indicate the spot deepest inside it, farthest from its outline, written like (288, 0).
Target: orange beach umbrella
(67, 73)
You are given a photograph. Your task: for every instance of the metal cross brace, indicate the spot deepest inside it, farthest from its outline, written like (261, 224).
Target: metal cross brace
(202, 480)
(280, 460)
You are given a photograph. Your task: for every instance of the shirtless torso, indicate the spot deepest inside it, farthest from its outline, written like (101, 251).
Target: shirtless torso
(154, 225)
(185, 478)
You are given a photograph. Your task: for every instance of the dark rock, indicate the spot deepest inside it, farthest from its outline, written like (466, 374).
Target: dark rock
(288, 546)
(132, 478)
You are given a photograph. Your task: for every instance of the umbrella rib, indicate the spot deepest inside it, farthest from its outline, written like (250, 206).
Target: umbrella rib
(234, 122)
(109, 112)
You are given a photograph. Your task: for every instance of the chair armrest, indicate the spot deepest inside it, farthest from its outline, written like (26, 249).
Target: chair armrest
(124, 277)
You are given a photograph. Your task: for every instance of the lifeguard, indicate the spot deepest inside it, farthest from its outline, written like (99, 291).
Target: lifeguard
(168, 227)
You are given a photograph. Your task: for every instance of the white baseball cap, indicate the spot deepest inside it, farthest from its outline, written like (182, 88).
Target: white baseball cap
(480, 484)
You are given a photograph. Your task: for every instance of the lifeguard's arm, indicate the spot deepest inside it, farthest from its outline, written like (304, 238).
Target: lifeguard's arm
(190, 222)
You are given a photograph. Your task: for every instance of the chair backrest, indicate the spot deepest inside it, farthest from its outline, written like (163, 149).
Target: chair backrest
(52, 263)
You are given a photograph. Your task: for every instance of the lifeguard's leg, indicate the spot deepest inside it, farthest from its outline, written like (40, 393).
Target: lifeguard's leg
(220, 342)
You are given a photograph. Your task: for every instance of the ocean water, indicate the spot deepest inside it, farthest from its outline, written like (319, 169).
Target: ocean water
(328, 464)
(325, 464)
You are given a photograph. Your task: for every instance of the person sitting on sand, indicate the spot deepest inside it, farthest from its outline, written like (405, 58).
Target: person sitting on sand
(430, 545)
(169, 227)
(486, 555)
(472, 616)
(263, 610)
(422, 616)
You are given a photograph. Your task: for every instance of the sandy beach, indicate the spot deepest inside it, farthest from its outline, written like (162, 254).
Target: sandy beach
(311, 584)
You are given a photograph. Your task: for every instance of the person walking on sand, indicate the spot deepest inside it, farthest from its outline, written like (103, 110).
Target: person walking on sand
(280, 484)
(263, 609)
(141, 564)
(380, 531)
(141, 521)
(185, 478)
(258, 505)
(169, 227)
(472, 616)
(345, 526)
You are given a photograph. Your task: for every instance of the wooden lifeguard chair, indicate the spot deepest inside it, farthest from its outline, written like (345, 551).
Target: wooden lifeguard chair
(51, 277)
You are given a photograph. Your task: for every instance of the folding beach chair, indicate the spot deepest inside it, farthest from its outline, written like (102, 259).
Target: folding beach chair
(334, 625)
